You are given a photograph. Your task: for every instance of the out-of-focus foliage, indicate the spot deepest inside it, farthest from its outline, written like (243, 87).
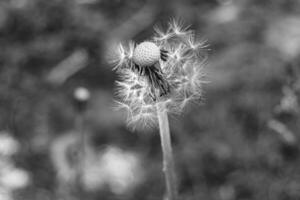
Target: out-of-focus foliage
(241, 144)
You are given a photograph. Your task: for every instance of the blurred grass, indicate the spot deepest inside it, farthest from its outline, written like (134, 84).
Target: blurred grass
(224, 149)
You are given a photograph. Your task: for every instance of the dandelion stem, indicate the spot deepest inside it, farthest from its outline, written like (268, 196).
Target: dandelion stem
(168, 161)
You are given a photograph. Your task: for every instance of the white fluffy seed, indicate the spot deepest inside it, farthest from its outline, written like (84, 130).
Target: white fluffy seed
(146, 54)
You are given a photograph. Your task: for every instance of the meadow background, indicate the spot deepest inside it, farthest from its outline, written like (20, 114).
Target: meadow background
(241, 143)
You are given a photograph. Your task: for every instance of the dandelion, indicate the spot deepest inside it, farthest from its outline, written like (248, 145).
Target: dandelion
(165, 70)
(160, 76)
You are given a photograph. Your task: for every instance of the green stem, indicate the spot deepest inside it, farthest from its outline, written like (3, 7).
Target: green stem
(168, 161)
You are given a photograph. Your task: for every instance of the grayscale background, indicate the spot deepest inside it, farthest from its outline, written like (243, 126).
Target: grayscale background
(241, 143)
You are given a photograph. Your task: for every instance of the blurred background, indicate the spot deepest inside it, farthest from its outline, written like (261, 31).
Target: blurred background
(55, 86)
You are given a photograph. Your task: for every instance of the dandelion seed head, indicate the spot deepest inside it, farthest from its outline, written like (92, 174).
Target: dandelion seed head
(176, 53)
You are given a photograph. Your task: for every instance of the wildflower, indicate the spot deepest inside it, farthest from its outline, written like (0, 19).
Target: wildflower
(166, 69)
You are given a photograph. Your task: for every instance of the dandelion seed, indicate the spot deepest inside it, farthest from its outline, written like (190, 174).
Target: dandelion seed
(178, 27)
(161, 36)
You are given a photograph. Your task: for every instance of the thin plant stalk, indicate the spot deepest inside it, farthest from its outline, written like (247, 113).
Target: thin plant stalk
(168, 160)
(81, 156)
(81, 97)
